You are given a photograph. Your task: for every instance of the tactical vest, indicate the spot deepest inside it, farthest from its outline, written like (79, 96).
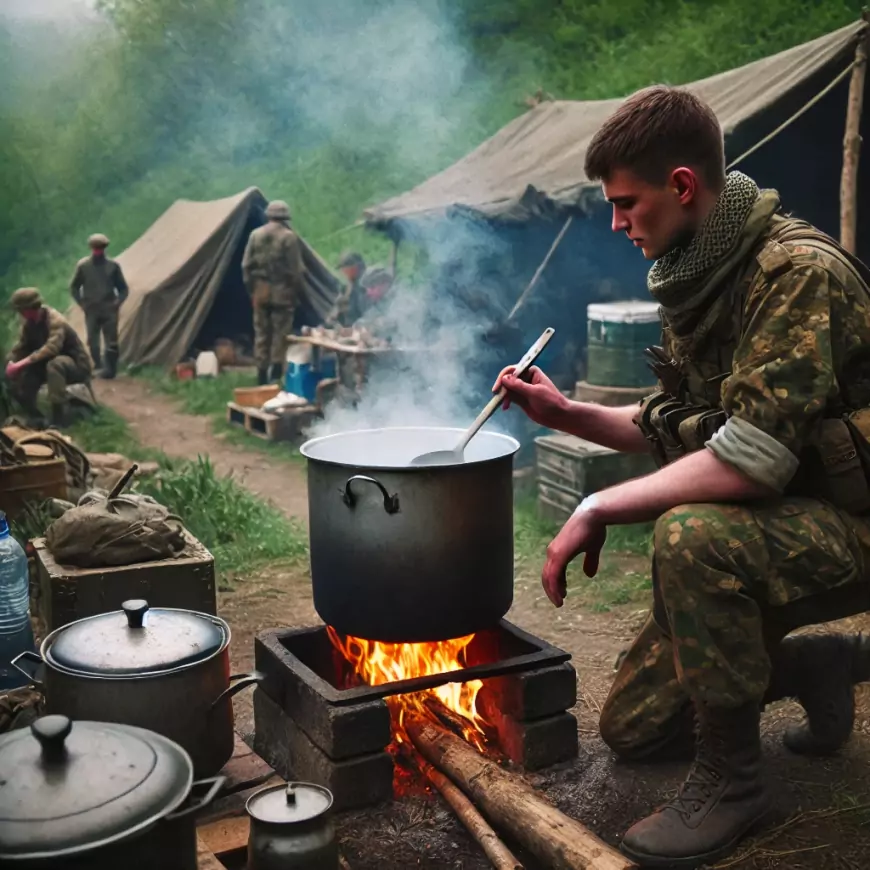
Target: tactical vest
(683, 415)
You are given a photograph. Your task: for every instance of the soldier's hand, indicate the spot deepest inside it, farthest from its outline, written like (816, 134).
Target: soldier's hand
(536, 394)
(581, 534)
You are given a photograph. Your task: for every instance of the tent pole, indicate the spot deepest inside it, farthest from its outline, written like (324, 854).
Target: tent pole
(852, 148)
(540, 269)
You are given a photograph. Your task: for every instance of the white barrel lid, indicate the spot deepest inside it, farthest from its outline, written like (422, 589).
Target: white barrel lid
(628, 311)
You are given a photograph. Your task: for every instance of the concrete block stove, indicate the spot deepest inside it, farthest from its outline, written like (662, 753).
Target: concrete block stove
(313, 723)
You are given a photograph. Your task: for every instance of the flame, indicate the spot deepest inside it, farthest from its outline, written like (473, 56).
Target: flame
(378, 663)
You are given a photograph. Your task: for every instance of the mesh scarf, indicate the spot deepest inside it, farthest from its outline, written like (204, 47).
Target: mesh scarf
(684, 280)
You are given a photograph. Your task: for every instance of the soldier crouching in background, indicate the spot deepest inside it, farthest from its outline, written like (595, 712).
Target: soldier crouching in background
(48, 351)
(274, 274)
(99, 287)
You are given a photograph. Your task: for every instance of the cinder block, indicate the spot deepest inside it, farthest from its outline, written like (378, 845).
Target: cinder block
(532, 694)
(340, 731)
(535, 744)
(354, 782)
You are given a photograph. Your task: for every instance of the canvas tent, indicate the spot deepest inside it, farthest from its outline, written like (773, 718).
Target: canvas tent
(534, 165)
(185, 280)
(488, 220)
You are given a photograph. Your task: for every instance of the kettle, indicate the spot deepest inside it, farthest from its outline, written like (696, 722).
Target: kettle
(291, 828)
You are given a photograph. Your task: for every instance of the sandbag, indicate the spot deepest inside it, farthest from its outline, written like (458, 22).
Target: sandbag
(103, 531)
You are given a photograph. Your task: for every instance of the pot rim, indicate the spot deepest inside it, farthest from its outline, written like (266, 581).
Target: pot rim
(305, 449)
(45, 647)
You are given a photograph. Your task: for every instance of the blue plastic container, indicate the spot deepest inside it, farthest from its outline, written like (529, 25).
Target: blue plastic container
(302, 380)
(16, 633)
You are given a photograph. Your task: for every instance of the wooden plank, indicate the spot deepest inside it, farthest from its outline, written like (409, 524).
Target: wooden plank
(225, 835)
(205, 858)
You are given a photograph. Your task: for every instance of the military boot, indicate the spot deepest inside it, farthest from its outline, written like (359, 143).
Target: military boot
(820, 671)
(723, 798)
(262, 377)
(276, 370)
(111, 367)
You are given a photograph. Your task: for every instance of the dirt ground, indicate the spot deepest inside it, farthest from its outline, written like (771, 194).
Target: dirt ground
(823, 805)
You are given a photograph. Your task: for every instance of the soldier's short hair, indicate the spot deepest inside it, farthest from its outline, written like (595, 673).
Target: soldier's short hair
(656, 130)
(351, 258)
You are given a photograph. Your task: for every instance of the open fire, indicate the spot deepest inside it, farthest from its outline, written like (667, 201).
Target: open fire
(377, 663)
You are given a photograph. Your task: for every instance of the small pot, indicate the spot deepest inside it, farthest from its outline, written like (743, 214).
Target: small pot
(291, 828)
(163, 669)
(97, 796)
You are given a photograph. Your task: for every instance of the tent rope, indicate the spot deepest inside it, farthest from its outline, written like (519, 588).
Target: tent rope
(793, 118)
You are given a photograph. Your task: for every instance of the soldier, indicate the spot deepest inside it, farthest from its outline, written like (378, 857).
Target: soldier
(351, 304)
(49, 352)
(98, 285)
(274, 274)
(761, 501)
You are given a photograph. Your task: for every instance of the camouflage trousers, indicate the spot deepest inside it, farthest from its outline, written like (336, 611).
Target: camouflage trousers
(56, 374)
(272, 325)
(729, 583)
(102, 322)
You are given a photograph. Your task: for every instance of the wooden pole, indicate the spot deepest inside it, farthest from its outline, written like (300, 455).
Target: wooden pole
(852, 148)
(540, 270)
(559, 842)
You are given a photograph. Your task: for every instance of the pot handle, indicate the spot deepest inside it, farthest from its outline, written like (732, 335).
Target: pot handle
(31, 665)
(215, 783)
(244, 680)
(391, 502)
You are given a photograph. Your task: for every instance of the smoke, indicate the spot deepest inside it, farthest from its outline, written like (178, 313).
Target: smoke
(440, 371)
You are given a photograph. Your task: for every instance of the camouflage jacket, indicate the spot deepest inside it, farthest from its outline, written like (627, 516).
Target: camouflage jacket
(273, 257)
(98, 283)
(49, 337)
(789, 347)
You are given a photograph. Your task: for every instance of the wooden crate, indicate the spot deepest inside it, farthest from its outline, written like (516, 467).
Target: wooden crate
(35, 481)
(569, 468)
(286, 426)
(65, 593)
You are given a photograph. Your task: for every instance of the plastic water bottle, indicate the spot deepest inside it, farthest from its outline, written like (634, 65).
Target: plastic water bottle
(16, 633)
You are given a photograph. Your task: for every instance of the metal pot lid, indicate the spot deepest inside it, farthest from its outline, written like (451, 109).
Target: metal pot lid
(136, 640)
(290, 803)
(70, 786)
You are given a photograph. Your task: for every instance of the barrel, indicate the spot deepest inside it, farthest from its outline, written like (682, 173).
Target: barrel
(618, 333)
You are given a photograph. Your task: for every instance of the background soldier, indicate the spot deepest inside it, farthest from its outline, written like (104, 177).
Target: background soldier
(48, 351)
(351, 304)
(98, 285)
(274, 274)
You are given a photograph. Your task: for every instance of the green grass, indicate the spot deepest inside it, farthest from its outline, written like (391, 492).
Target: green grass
(623, 574)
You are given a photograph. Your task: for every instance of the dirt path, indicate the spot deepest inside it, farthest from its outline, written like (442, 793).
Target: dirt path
(158, 423)
(821, 817)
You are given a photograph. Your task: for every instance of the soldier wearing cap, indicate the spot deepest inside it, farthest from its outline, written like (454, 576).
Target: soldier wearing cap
(351, 305)
(48, 351)
(274, 274)
(98, 285)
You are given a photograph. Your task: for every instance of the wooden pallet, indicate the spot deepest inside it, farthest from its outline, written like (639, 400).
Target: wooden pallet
(222, 830)
(285, 426)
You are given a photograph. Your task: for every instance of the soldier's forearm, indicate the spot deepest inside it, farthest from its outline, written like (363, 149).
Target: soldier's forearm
(610, 427)
(701, 477)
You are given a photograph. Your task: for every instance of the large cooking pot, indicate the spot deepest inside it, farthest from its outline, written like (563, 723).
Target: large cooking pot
(163, 669)
(405, 553)
(97, 796)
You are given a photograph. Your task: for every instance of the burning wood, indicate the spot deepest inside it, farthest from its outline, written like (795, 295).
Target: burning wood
(559, 841)
(377, 663)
